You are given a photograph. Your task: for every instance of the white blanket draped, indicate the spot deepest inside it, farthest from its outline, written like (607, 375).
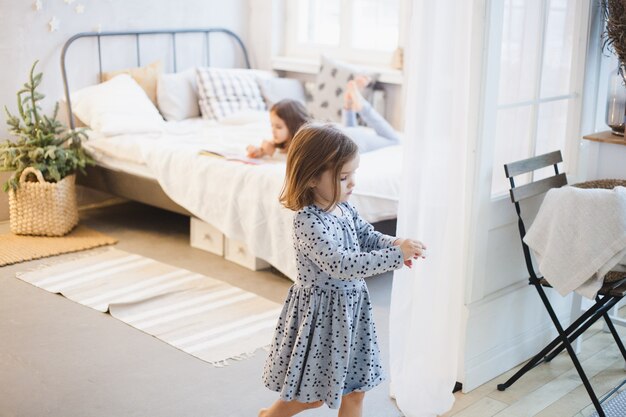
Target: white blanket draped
(578, 236)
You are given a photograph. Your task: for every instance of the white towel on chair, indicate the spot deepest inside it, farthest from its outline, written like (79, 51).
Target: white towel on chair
(578, 236)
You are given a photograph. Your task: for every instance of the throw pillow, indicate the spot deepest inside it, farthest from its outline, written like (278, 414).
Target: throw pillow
(146, 77)
(115, 107)
(225, 91)
(177, 95)
(327, 95)
(63, 114)
(277, 89)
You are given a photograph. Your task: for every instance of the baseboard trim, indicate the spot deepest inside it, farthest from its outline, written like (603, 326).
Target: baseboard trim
(507, 356)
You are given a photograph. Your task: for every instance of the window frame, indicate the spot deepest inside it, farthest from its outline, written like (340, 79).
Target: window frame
(294, 48)
(573, 124)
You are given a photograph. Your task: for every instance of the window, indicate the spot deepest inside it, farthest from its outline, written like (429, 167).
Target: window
(365, 31)
(541, 64)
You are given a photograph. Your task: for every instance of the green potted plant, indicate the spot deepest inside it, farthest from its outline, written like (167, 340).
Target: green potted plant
(45, 148)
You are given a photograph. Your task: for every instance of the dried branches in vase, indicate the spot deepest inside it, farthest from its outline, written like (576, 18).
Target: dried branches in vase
(614, 35)
(614, 41)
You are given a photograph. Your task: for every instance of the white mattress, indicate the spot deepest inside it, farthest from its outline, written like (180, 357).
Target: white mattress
(239, 199)
(140, 170)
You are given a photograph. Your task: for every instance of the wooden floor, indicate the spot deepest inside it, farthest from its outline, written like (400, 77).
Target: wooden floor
(553, 389)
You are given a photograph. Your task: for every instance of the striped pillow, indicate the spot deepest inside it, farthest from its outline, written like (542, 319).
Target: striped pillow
(226, 91)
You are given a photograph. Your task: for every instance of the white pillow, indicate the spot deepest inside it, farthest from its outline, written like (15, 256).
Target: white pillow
(243, 117)
(256, 73)
(177, 95)
(226, 91)
(277, 89)
(117, 106)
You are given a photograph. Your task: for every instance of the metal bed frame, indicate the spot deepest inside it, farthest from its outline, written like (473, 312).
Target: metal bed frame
(137, 34)
(122, 184)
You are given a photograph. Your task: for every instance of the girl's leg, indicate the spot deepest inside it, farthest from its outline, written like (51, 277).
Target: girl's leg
(348, 117)
(370, 116)
(377, 122)
(283, 408)
(365, 138)
(352, 405)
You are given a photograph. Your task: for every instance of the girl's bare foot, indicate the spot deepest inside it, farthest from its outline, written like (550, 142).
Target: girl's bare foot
(288, 408)
(355, 96)
(362, 81)
(347, 100)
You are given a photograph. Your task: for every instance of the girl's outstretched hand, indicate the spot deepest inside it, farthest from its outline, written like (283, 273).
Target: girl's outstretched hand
(411, 249)
(268, 148)
(254, 152)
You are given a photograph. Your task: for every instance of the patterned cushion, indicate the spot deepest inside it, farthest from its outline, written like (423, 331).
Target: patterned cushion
(327, 96)
(226, 91)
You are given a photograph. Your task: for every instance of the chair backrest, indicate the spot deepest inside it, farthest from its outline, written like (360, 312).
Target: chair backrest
(532, 189)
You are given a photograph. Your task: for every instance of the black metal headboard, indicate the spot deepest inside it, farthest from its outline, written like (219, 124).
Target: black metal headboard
(137, 34)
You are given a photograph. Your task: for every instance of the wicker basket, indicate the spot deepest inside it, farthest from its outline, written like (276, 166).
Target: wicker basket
(43, 208)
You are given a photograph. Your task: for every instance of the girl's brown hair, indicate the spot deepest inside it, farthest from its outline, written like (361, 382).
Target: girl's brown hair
(293, 113)
(315, 149)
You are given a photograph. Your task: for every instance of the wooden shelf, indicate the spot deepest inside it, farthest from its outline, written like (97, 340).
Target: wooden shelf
(606, 137)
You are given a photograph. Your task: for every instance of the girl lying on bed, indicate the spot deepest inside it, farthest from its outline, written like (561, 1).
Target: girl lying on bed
(287, 116)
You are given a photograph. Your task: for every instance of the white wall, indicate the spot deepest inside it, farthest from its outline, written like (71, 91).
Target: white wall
(604, 160)
(267, 25)
(507, 322)
(24, 34)
(25, 37)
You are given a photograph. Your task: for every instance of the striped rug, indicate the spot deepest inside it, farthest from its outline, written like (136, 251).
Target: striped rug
(199, 315)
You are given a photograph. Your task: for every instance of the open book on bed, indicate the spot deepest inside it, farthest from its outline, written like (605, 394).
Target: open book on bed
(231, 156)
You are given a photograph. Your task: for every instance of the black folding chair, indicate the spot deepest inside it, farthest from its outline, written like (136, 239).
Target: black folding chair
(612, 291)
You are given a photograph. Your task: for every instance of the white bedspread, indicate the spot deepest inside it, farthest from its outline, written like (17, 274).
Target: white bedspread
(578, 236)
(241, 200)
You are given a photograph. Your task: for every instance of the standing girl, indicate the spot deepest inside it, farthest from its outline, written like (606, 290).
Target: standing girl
(325, 348)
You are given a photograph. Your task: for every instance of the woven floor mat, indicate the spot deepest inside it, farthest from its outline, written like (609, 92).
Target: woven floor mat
(15, 249)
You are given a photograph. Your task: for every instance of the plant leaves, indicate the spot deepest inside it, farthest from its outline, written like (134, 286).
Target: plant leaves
(54, 173)
(41, 141)
(50, 153)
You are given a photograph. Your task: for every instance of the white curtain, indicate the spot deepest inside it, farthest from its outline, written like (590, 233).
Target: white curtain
(427, 315)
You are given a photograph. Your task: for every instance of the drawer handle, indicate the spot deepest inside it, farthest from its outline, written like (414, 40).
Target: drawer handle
(241, 250)
(208, 237)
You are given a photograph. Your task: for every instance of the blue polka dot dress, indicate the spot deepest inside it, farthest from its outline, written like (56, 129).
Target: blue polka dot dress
(325, 343)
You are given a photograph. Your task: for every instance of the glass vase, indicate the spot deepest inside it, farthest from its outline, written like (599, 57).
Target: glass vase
(616, 103)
